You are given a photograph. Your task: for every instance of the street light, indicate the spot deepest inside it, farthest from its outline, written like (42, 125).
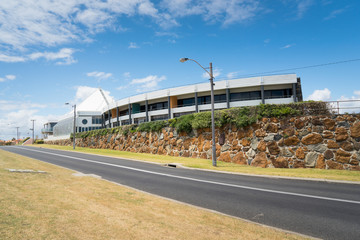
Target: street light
(212, 106)
(74, 129)
(33, 130)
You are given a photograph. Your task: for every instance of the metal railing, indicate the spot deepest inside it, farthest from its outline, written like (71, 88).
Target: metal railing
(344, 106)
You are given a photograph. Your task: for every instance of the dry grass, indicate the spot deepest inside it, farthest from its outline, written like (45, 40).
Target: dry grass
(58, 205)
(222, 166)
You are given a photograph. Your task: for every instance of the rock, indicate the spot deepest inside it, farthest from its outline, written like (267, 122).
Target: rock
(300, 153)
(328, 154)
(225, 157)
(207, 146)
(291, 141)
(251, 153)
(320, 163)
(239, 158)
(260, 160)
(280, 162)
(286, 152)
(269, 137)
(299, 124)
(332, 144)
(260, 133)
(303, 133)
(225, 147)
(313, 138)
(334, 165)
(245, 142)
(344, 124)
(271, 127)
(273, 148)
(329, 124)
(310, 159)
(328, 134)
(342, 156)
(341, 134)
(277, 137)
(347, 146)
(262, 146)
(355, 130)
(317, 148)
(289, 131)
(316, 121)
(298, 164)
(254, 143)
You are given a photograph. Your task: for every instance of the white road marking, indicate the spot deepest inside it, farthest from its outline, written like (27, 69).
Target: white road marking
(200, 180)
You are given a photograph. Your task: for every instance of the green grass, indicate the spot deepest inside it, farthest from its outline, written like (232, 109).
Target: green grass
(222, 166)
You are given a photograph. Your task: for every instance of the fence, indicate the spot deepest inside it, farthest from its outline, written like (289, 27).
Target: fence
(344, 106)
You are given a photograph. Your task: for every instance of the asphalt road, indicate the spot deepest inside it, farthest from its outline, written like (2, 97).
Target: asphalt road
(318, 209)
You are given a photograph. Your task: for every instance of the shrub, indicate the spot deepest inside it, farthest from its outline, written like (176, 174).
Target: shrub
(184, 123)
(201, 120)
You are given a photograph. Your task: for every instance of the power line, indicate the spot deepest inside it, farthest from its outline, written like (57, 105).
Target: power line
(297, 68)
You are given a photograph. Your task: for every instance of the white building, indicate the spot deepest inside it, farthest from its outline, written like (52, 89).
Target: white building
(174, 102)
(88, 116)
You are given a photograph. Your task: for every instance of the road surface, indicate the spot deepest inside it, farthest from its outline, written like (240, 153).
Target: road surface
(318, 209)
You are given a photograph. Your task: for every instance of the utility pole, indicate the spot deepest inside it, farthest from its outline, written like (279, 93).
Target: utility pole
(17, 133)
(33, 129)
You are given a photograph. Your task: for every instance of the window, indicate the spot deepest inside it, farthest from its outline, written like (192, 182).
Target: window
(204, 100)
(158, 106)
(181, 114)
(159, 117)
(124, 112)
(245, 96)
(220, 98)
(281, 93)
(186, 102)
(96, 120)
(125, 122)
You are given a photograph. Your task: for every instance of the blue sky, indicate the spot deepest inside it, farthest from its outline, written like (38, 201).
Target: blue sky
(53, 52)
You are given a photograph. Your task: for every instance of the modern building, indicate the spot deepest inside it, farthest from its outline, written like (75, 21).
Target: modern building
(48, 129)
(174, 102)
(88, 116)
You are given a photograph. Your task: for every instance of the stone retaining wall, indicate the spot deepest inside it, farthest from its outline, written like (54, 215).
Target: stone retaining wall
(312, 141)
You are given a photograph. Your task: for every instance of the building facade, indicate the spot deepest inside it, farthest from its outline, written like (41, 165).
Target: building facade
(175, 102)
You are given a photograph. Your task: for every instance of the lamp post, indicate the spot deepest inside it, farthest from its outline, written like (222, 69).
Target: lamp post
(33, 130)
(74, 127)
(212, 105)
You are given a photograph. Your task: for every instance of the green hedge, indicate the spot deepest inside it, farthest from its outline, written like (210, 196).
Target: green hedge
(240, 116)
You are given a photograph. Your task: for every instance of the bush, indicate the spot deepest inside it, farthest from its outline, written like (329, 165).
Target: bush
(201, 120)
(184, 123)
(39, 141)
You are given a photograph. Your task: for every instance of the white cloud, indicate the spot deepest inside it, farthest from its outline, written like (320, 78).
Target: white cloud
(11, 59)
(334, 14)
(320, 95)
(64, 55)
(216, 73)
(7, 78)
(287, 46)
(303, 6)
(148, 83)
(224, 11)
(18, 114)
(133, 45)
(99, 75)
(231, 75)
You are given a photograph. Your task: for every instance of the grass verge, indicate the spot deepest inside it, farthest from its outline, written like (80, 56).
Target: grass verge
(222, 166)
(58, 205)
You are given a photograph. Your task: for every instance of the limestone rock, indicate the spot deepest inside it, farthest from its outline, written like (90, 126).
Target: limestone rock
(299, 124)
(245, 142)
(273, 148)
(254, 144)
(262, 146)
(271, 127)
(289, 131)
(332, 144)
(260, 133)
(355, 130)
(225, 157)
(328, 154)
(251, 153)
(329, 124)
(260, 160)
(328, 134)
(310, 159)
(280, 162)
(291, 141)
(320, 163)
(317, 148)
(347, 146)
(300, 153)
(342, 156)
(334, 165)
(239, 158)
(313, 138)
(269, 137)
(341, 134)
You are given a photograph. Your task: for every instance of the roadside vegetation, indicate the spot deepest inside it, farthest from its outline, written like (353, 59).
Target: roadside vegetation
(240, 117)
(59, 205)
(206, 164)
